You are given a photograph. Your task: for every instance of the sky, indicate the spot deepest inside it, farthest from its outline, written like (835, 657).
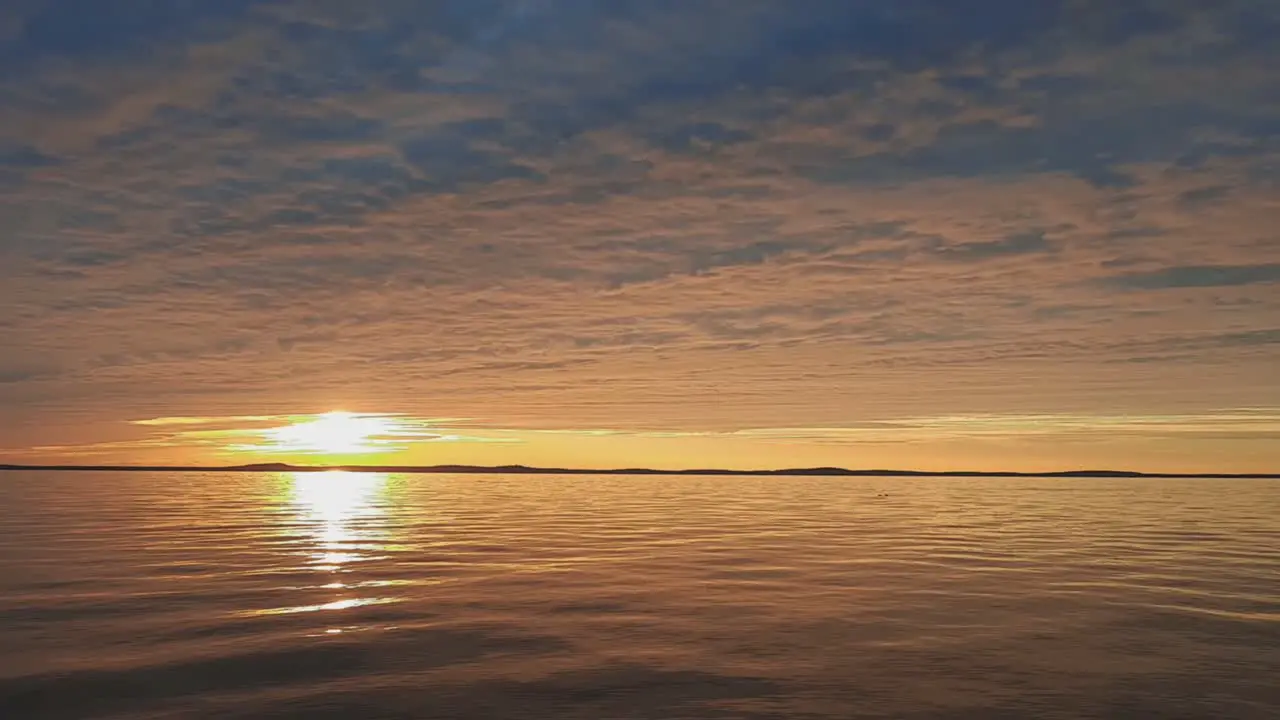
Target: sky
(979, 234)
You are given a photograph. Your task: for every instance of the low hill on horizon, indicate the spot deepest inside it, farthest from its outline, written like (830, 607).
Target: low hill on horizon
(530, 470)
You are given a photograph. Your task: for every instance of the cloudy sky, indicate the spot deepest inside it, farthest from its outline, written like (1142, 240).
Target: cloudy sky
(919, 233)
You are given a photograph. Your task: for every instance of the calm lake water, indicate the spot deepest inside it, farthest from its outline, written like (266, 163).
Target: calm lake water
(387, 596)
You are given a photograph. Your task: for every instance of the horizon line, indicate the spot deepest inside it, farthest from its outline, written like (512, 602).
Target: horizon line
(532, 470)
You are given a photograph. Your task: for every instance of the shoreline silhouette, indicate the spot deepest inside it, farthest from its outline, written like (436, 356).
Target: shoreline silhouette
(530, 470)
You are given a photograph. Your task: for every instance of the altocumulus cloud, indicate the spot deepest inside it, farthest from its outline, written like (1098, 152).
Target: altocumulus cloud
(328, 435)
(733, 213)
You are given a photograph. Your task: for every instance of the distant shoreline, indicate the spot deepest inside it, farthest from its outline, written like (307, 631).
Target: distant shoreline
(526, 470)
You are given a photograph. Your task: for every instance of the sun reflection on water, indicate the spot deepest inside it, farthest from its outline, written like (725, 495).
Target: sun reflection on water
(342, 518)
(340, 509)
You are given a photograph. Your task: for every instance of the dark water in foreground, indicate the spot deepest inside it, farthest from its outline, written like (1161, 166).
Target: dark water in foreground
(370, 596)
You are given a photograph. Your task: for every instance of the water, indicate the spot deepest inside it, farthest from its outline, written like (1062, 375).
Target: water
(372, 596)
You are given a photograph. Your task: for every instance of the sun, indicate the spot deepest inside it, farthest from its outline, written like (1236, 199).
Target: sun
(334, 433)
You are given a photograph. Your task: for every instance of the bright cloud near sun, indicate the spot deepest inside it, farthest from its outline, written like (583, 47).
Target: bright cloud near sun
(338, 433)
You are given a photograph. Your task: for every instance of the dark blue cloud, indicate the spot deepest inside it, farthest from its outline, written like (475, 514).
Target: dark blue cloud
(1019, 244)
(766, 45)
(1199, 276)
(685, 138)
(448, 163)
(89, 29)
(25, 157)
(338, 127)
(1194, 199)
(18, 375)
(1092, 148)
(1250, 339)
(819, 49)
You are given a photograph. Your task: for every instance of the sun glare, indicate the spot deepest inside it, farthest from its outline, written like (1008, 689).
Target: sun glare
(334, 433)
(335, 436)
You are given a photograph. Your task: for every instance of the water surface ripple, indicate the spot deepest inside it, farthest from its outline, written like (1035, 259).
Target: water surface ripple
(368, 596)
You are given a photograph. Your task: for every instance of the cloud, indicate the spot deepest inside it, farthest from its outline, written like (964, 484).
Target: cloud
(1020, 244)
(333, 435)
(1200, 276)
(25, 157)
(678, 217)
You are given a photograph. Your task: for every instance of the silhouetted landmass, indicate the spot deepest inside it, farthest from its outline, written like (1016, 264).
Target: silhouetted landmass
(526, 470)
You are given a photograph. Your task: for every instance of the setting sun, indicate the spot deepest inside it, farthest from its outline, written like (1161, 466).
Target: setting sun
(333, 433)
